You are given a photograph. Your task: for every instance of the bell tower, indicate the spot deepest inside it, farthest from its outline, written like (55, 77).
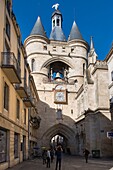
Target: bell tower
(56, 17)
(57, 32)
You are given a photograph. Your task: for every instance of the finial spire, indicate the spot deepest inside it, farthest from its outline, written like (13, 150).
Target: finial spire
(92, 53)
(55, 6)
(91, 43)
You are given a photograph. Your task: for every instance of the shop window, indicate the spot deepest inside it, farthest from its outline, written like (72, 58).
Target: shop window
(16, 141)
(3, 145)
(6, 96)
(18, 108)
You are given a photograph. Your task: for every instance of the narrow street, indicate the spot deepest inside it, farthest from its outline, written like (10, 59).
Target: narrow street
(68, 163)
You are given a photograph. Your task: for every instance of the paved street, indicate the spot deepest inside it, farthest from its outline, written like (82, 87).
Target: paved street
(68, 163)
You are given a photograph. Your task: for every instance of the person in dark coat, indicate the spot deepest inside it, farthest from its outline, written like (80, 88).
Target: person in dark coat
(86, 154)
(48, 158)
(44, 156)
(58, 155)
(52, 154)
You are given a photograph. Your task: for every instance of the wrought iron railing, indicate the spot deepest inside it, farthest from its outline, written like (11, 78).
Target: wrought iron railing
(9, 59)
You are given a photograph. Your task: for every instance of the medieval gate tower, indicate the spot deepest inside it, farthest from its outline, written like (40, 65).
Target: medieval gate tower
(72, 86)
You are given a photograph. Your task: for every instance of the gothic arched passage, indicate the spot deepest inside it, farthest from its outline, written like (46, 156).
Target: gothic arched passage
(66, 132)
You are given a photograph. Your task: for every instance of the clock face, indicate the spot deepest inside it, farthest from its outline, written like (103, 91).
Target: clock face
(60, 96)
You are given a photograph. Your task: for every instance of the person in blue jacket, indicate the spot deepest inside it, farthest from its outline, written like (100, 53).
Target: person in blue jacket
(58, 155)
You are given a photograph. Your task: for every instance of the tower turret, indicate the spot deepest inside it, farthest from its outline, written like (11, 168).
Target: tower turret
(38, 28)
(75, 33)
(57, 33)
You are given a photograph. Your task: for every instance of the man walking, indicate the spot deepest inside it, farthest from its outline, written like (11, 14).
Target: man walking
(86, 154)
(48, 158)
(58, 154)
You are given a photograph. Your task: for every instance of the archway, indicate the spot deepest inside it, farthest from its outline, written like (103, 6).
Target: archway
(66, 132)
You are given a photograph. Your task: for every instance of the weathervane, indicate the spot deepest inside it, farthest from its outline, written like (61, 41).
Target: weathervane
(55, 6)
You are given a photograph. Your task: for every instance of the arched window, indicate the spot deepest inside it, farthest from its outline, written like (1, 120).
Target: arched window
(59, 114)
(53, 23)
(33, 64)
(57, 22)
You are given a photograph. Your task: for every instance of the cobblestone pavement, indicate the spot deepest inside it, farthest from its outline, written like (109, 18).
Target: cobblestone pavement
(68, 163)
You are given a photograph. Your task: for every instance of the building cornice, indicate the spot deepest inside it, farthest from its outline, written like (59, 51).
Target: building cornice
(13, 122)
(109, 55)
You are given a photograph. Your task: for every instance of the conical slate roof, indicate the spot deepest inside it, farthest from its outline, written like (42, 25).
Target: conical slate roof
(91, 43)
(38, 28)
(57, 34)
(75, 33)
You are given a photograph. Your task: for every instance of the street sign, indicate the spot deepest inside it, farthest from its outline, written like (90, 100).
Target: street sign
(110, 134)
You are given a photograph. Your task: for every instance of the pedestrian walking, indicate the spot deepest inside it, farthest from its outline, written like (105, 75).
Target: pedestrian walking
(52, 154)
(58, 154)
(48, 158)
(86, 154)
(44, 156)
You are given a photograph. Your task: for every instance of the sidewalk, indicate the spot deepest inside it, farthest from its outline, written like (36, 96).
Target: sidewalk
(68, 163)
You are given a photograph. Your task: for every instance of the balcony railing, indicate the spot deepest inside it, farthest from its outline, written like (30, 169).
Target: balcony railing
(11, 67)
(28, 101)
(22, 88)
(35, 121)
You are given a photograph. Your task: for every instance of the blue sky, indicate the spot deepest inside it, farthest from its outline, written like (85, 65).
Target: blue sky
(93, 17)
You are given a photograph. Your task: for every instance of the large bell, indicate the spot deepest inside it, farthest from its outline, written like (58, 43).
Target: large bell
(57, 75)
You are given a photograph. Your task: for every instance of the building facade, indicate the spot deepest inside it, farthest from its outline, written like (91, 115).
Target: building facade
(52, 87)
(109, 60)
(73, 89)
(18, 95)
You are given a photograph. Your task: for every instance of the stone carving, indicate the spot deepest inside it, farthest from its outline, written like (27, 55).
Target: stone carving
(55, 6)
